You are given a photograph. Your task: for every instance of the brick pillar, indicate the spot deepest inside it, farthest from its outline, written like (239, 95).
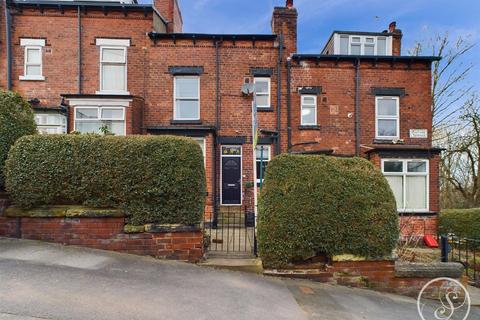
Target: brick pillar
(170, 10)
(284, 22)
(396, 39)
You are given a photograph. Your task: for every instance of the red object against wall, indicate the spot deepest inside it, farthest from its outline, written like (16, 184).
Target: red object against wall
(430, 241)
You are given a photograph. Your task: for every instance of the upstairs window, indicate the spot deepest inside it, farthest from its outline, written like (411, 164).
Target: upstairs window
(113, 69)
(408, 180)
(262, 89)
(387, 118)
(362, 45)
(309, 110)
(97, 119)
(32, 59)
(113, 65)
(187, 98)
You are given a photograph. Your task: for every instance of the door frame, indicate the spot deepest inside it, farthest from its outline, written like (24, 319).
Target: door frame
(241, 173)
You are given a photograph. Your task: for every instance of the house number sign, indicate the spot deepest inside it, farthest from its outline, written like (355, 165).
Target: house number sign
(419, 133)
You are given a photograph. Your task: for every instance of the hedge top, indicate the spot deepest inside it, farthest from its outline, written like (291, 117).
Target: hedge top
(156, 179)
(319, 204)
(16, 120)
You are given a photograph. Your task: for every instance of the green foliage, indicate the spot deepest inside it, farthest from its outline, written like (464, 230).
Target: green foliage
(16, 120)
(461, 222)
(319, 204)
(155, 179)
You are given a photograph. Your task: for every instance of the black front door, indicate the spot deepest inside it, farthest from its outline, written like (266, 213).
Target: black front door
(231, 180)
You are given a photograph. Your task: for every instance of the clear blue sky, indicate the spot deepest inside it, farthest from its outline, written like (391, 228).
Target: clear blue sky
(419, 20)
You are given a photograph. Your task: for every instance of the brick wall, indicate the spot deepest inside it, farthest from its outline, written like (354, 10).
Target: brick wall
(107, 234)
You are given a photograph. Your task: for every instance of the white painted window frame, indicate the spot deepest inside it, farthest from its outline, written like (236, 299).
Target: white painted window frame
(378, 118)
(175, 116)
(60, 128)
(268, 94)
(406, 174)
(241, 173)
(268, 152)
(99, 115)
(124, 63)
(304, 105)
(203, 141)
(388, 44)
(32, 44)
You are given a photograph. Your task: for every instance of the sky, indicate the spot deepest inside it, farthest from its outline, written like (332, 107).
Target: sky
(420, 20)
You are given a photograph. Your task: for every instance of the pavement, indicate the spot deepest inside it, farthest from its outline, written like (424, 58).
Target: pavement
(48, 281)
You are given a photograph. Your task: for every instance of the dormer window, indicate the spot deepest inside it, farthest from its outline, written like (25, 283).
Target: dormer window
(364, 45)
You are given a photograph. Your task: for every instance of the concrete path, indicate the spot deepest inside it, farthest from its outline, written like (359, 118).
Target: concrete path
(47, 281)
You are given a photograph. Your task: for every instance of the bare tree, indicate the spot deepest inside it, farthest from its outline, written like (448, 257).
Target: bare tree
(449, 86)
(460, 165)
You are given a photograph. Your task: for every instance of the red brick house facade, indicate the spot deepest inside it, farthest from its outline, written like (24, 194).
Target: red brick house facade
(129, 67)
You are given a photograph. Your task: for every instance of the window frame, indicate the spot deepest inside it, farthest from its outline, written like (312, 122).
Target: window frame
(268, 94)
(269, 153)
(203, 141)
(124, 63)
(315, 105)
(363, 43)
(404, 174)
(99, 116)
(60, 128)
(396, 117)
(35, 44)
(175, 116)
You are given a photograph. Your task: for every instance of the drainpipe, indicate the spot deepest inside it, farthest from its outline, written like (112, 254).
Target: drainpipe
(289, 103)
(357, 108)
(8, 41)
(217, 128)
(279, 94)
(79, 50)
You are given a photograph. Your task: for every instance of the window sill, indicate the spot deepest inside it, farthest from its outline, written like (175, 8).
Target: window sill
(264, 109)
(126, 93)
(388, 141)
(32, 78)
(312, 127)
(412, 213)
(186, 122)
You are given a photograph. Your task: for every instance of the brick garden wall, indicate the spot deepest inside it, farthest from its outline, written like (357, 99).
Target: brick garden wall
(107, 234)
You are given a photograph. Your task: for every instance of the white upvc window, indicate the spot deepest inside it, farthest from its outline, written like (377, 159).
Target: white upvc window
(186, 98)
(363, 45)
(113, 69)
(309, 110)
(409, 181)
(262, 92)
(262, 157)
(33, 65)
(51, 123)
(387, 117)
(89, 119)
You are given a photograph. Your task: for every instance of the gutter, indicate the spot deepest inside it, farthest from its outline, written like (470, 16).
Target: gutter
(289, 104)
(8, 41)
(357, 108)
(279, 94)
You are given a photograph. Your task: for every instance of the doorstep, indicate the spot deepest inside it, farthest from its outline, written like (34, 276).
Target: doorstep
(252, 265)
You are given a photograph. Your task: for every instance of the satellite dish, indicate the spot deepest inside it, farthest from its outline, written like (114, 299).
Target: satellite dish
(247, 89)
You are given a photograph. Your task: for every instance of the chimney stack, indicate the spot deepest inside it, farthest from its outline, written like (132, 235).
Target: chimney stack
(289, 4)
(396, 39)
(392, 27)
(284, 22)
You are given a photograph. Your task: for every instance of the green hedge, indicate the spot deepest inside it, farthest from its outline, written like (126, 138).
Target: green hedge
(155, 179)
(319, 204)
(461, 222)
(16, 120)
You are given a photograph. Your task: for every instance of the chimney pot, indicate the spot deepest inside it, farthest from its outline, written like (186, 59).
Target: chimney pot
(289, 4)
(392, 27)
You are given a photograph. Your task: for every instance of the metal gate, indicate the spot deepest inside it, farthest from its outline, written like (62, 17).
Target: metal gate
(231, 232)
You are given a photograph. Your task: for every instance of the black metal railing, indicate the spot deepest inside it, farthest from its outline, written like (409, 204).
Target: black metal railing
(231, 231)
(465, 251)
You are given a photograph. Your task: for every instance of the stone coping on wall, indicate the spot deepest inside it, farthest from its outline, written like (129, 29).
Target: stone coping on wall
(64, 211)
(160, 228)
(429, 270)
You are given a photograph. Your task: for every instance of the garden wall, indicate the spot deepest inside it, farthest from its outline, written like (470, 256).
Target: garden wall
(384, 276)
(103, 230)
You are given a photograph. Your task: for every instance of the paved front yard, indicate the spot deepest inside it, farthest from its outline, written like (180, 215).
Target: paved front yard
(46, 281)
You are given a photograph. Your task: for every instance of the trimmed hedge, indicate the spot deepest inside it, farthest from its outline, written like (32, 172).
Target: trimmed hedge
(155, 179)
(16, 120)
(319, 204)
(461, 222)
